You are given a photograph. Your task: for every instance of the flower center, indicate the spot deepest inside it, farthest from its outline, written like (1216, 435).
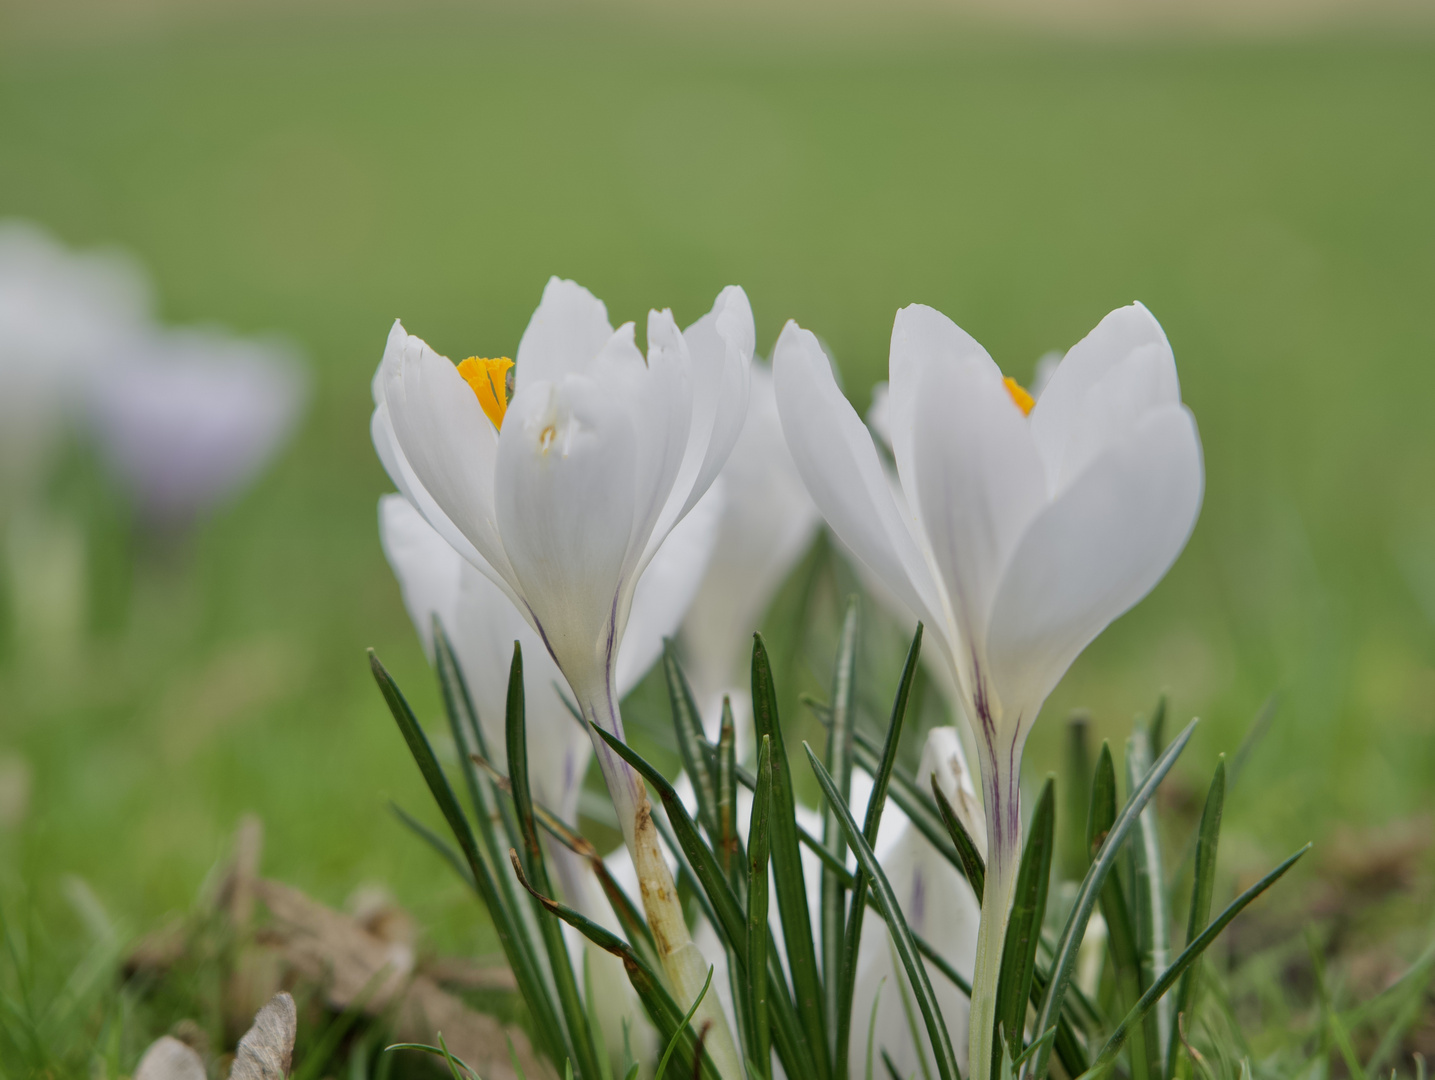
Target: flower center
(1024, 401)
(489, 381)
(546, 436)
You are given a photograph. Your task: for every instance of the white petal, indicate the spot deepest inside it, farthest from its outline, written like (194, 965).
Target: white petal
(1062, 406)
(566, 332)
(1093, 553)
(427, 567)
(565, 505)
(483, 624)
(721, 345)
(767, 523)
(660, 400)
(838, 462)
(448, 443)
(666, 588)
(972, 466)
(559, 748)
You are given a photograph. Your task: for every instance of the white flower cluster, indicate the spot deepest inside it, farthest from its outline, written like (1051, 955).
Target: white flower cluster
(612, 500)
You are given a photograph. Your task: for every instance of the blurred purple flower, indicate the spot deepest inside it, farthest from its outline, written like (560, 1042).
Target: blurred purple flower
(187, 418)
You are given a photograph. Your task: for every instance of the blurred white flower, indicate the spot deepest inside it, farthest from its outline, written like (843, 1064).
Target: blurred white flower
(1019, 530)
(482, 624)
(186, 418)
(63, 316)
(563, 495)
(768, 521)
(937, 903)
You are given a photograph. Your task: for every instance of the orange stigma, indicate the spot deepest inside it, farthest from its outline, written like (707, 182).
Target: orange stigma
(1024, 401)
(488, 379)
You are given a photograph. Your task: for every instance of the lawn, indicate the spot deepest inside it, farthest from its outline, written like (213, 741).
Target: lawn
(1271, 203)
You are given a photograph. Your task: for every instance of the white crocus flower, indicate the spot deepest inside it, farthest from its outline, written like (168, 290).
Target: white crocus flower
(563, 495)
(937, 903)
(768, 521)
(1017, 534)
(482, 625)
(186, 418)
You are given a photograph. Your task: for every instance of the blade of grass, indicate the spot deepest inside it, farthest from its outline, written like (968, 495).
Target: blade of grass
(447, 851)
(1188, 956)
(971, 863)
(1018, 960)
(725, 840)
(565, 982)
(699, 757)
(846, 976)
(901, 933)
(1120, 929)
(787, 874)
(721, 905)
(651, 989)
(760, 1050)
(1152, 907)
(1064, 956)
(525, 973)
(1075, 854)
(677, 1035)
(832, 898)
(1208, 835)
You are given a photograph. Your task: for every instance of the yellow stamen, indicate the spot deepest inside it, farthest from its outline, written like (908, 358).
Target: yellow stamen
(1024, 401)
(488, 379)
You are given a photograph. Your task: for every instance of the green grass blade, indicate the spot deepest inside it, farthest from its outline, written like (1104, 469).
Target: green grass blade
(881, 784)
(1121, 939)
(664, 1012)
(525, 973)
(1018, 960)
(787, 874)
(699, 758)
(730, 921)
(565, 982)
(901, 933)
(1152, 906)
(677, 1035)
(729, 846)
(1064, 955)
(1208, 835)
(970, 859)
(760, 1049)
(1075, 852)
(1188, 956)
(447, 851)
(833, 896)
(916, 803)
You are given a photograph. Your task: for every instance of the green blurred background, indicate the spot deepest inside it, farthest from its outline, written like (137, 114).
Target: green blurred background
(1270, 196)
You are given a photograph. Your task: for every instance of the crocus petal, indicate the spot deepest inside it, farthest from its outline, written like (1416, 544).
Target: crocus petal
(666, 588)
(567, 330)
(482, 624)
(768, 521)
(971, 465)
(448, 443)
(721, 345)
(838, 462)
(427, 568)
(1127, 334)
(565, 506)
(1092, 553)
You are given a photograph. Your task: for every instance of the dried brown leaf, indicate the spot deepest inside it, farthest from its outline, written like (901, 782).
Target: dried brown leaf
(266, 1051)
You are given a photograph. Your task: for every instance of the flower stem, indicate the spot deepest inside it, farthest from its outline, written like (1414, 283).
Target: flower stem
(685, 966)
(1003, 812)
